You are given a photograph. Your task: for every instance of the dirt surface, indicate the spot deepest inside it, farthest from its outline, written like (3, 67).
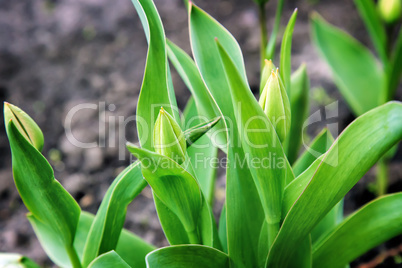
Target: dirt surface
(57, 54)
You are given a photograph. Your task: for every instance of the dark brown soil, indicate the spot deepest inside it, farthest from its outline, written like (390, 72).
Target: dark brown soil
(55, 54)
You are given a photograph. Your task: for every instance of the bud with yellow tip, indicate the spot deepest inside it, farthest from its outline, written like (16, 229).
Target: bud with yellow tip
(390, 10)
(266, 73)
(168, 138)
(275, 103)
(25, 125)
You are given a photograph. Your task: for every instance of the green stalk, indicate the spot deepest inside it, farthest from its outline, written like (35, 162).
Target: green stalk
(193, 236)
(72, 254)
(273, 230)
(263, 33)
(382, 177)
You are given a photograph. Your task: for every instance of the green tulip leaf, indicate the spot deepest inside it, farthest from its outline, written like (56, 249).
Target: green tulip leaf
(356, 72)
(373, 224)
(41, 193)
(109, 219)
(109, 260)
(14, 260)
(285, 67)
(353, 153)
(187, 256)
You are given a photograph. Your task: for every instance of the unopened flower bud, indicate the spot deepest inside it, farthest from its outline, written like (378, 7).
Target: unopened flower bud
(266, 73)
(275, 103)
(168, 137)
(390, 10)
(25, 125)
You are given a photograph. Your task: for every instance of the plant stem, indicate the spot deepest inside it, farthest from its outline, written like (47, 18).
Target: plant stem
(263, 33)
(273, 230)
(382, 177)
(72, 254)
(193, 236)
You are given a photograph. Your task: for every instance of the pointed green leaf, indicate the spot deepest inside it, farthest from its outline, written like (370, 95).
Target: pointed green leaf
(175, 187)
(374, 25)
(187, 256)
(299, 106)
(154, 92)
(355, 70)
(395, 68)
(270, 50)
(130, 247)
(41, 193)
(316, 148)
(194, 133)
(202, 154)
(109, 220)
(258, 144)
(244, 214)
(206, 104)
(109, 260)
(328, 223)
(285, 67)
(365, 229)
(353, 153)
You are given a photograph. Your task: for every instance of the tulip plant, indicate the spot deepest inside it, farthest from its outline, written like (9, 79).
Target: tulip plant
(275, 214)
(363, 82)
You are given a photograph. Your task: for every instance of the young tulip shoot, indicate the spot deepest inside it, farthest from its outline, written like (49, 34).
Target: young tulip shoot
(275, 103)
(169, 139)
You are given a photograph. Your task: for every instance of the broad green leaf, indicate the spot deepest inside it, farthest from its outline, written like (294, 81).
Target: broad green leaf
(259, 140)
(173, 229)
(356, 72)
(299, 104)
(41, 193)
(202, 154)
(14, 260)
(109, 260)
(375, 223)
(285, 67)
(353, 153)
(395, 70)
(328, 223)
(186, 256)
(244, 214)
(154, 92)
(270, 50)
(130, 247)
(25, 125)
(374, 25)
(109, 219)
(174, 186)
(317, 147)
(206, 105)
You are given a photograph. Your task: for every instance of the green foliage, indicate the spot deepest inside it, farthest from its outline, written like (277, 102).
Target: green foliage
(275, 214)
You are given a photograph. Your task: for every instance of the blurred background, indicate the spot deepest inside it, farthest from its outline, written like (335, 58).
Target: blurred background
(56, 54)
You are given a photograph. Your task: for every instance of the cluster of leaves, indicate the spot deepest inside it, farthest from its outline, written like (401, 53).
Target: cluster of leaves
(363, 81)
(288, 215)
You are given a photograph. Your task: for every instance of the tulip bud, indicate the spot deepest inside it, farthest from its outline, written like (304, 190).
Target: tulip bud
(266, 73)
(169, 139)
(275, 103)
(390, 10)
(25, 125)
